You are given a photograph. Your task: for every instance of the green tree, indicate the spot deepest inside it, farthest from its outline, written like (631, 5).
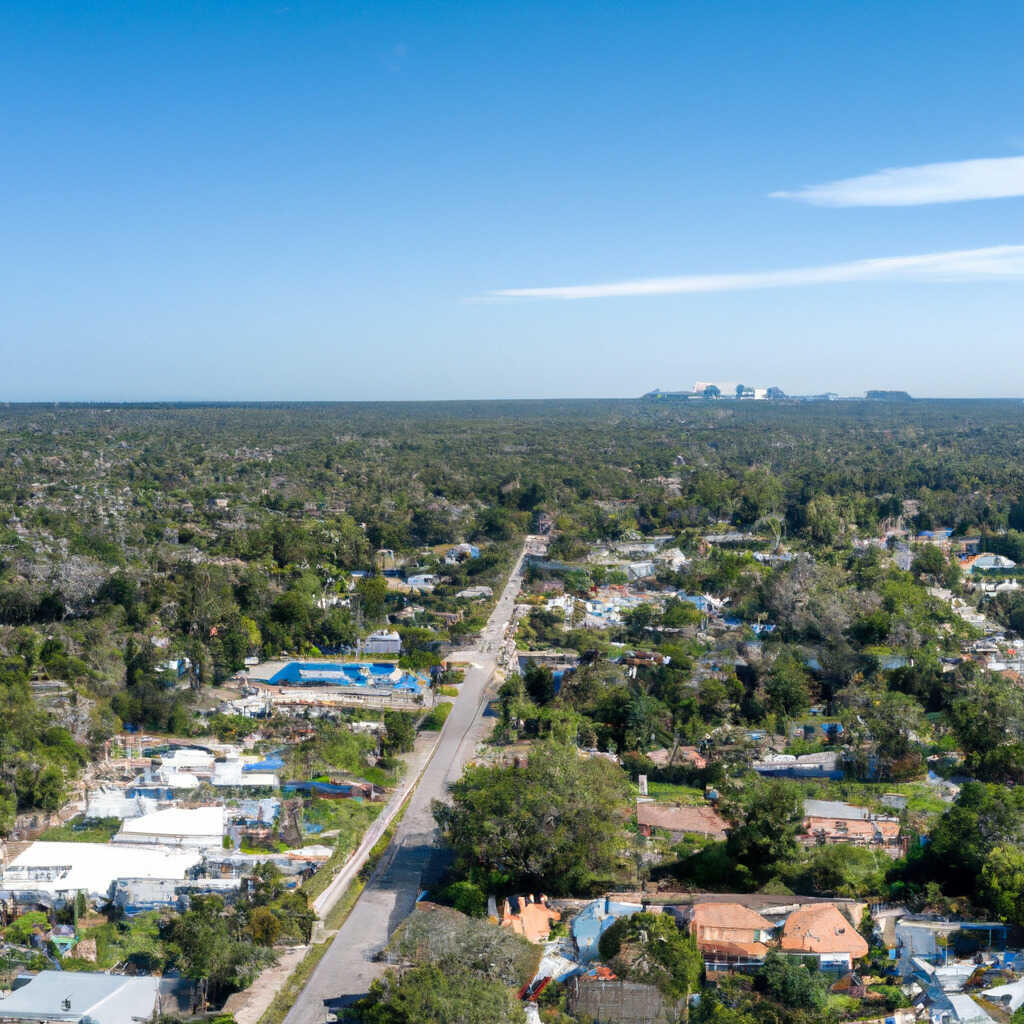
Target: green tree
(822, 518)
(207, 952)
(1002, 882)
(983, 817)
(467, 898)
(553, 824)
(651, 948)
(539, 682)
(430, 995)
(264, 926)
(372, 591)
(400, 731)
(787, 980)
(788, 685)
(765, 821)
(988, 721)
(929, 561)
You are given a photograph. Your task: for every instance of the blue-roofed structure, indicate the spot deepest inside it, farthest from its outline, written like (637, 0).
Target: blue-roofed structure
(254, 812)
(594, 920)
(382, 675)
(271, 763)
(332, 790)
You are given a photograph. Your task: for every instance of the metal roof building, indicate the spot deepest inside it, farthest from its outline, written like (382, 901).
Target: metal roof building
(195, 827)
(75, 997)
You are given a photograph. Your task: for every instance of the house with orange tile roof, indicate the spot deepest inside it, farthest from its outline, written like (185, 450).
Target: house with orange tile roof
(680, 821)
(822, 930)
(730, 935)
(529, 917)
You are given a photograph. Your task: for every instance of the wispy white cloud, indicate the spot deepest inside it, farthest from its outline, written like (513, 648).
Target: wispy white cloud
(916, 186)
(998, 262)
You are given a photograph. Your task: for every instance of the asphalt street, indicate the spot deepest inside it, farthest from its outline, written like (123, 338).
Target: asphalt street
(414, 860)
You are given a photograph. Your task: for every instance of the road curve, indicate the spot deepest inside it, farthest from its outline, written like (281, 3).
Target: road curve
(414, 859)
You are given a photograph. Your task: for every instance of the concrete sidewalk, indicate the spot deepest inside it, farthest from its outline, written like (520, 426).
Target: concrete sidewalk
(415, 762)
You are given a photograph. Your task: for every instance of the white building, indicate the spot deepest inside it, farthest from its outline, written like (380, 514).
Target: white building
(189, 828)
(108, 802)
(59, 871)
(383, 641)
(232, 773)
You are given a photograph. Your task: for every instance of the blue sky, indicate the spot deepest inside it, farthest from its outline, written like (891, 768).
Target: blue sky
(297, 200)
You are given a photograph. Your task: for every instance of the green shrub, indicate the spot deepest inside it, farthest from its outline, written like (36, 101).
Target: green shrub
(434, 721)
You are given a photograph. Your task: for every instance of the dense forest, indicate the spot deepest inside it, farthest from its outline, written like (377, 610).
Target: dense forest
(147, 551)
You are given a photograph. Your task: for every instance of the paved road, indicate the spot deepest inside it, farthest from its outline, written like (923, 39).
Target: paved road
(413, 861)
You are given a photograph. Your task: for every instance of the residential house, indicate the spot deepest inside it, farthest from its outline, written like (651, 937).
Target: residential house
(953, 1008)
(384, 558)
(729, 935)
(529, 917)
(683, 755)
(680, 821)
(641, 570)
(79, 997)
(923, 940)
(829, 822)
(850, 984)
(1010, 997)
(139, 895)
(51, 874)
(460, 552)
(823, 765)
(822, 930)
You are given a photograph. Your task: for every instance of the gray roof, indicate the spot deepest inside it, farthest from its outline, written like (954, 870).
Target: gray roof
(835, 809)
(71, 996)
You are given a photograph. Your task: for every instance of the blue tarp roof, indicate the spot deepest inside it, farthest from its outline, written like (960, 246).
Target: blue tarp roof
(594, 920)
(320, 787)
(383, 674)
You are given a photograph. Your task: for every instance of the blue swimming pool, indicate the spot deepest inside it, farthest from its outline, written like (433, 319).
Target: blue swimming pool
(379, 674)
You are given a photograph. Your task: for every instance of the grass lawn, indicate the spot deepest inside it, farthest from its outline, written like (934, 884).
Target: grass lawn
(79, 830)
(921, 798)
(843, 1005)
(351, 818)
(434, 721)
(680, 794)
(117, 942)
